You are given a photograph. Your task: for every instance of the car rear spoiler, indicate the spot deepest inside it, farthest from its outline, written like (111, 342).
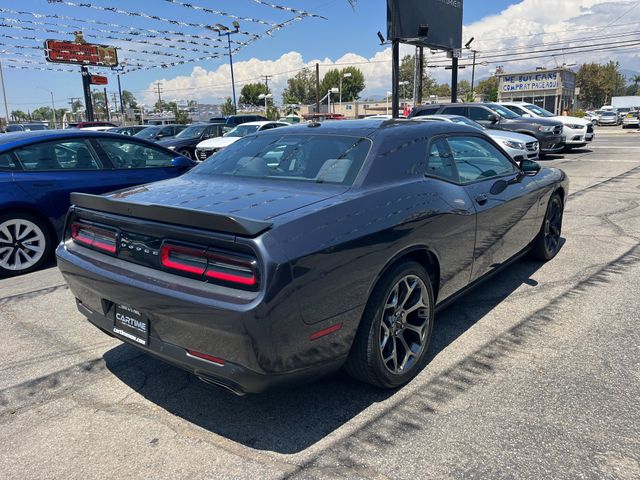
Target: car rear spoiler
(177, 216)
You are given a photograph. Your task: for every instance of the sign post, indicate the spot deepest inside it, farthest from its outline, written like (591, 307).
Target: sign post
(79, 52)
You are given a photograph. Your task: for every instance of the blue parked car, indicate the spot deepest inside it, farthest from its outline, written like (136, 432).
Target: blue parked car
(38, 171)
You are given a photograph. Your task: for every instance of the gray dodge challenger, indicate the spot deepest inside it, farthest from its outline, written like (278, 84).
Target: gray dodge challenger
(300, 250)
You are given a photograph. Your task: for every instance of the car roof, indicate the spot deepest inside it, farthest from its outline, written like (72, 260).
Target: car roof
(260, 122)
(17, 139)
(374, 127)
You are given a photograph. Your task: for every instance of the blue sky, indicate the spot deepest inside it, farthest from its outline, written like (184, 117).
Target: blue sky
(346, 30)
(347, 36)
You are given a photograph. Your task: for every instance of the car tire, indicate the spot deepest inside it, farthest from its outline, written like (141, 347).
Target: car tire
(395, 329)
(185, 152)
(547, 243)
(26, 244)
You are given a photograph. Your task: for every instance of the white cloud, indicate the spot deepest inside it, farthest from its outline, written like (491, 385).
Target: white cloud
(530, 23)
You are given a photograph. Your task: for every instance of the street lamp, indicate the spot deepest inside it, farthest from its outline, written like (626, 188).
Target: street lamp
(53, 105)
(329, 92)
(4, 91)
(265, 97)
(404, 84)
(388, 94)
(119, 69)
(344, 75)
(224, 30)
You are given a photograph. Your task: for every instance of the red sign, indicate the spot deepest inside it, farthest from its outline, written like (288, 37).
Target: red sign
(98, 80)
(60, 51)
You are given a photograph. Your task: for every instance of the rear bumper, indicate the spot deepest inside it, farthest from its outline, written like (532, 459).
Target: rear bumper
(262, 346)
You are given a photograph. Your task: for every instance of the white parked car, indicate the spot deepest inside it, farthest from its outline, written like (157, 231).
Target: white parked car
(578, 131)
(208, 147)
(631, 119)
(515, 144)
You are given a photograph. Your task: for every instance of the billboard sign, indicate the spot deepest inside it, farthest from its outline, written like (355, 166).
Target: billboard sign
(427, 23)
(98, 80)
(529, 82)
(61, 51)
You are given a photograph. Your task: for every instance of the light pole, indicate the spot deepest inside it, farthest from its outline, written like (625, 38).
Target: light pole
(329, 92)
(344, 75)
(4, 93)
(265, 97)
(119, 69)
(224, 30)
(404, 84)
(53, 105)
(388, 93)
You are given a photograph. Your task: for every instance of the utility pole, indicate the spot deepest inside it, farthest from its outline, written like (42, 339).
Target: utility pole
(454, 80)
(159, 90)
(106, 104)
(395, 77)
(420, 74)
(88, 98)
(473, 73)
(318, 88)
(266, 81)
(4, 94)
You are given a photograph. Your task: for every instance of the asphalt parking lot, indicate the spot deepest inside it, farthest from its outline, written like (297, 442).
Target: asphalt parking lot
(535, 374)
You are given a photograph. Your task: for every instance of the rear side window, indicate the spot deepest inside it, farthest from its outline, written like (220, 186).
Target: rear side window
(477, 159)
(440, 163)
(125, 154)
(63, 155)
(426, 111)
(6, 162)
(462, 111)
(479, 113)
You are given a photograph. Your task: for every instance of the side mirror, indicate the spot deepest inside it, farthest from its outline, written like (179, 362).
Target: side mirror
(181, 162)
(493, 118)
(530, 167)
(527, 115)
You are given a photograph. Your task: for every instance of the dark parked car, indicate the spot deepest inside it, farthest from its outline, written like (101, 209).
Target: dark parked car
(82, 125)
(130, 130)
(25, 127)
(234, 120)
(154, 133)
(491, 115)
(185, 142)
(303, 249)
(38, 171)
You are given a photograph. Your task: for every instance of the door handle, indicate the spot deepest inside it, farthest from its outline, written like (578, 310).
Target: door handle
(482, 199)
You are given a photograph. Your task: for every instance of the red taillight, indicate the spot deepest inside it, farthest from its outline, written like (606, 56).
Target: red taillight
(94, 237)
(204, 356)
(210, 264)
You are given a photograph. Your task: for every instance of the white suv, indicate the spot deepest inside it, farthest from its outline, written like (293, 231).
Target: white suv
(578, 131)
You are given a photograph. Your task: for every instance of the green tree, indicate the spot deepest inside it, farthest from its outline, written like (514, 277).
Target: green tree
(464, 89)
(598, 83)
(251, 92)
(488, 88)
(636, 81)
(76, 105)
(19, 116)
(407, 69)
(227, 107)
(442, 90)
(42, 114)
(301, 88)
(351, 85)
(129, 100)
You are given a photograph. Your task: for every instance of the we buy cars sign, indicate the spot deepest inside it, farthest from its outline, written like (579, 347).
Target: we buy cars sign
(60, 51)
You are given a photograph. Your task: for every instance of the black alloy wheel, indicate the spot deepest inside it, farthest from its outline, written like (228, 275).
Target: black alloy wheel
(395, 329)
(547, 243)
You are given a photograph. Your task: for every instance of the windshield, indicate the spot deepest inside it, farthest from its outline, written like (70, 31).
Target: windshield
(539, 110)
(148, 132)
(193, 131)
(502, 111)
(301, 157)
(242, 130)
(609, 114)
(467, 121)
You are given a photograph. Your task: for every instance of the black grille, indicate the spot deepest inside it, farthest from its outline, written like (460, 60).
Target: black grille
(532, 146)
(590, 128)
(558, 130)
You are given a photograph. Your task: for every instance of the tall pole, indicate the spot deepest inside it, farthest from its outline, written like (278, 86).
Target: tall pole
(4, 94)
(120, 95)
(454, 80)
(233, 82)
(420, 74)
(318, 88)
(53, 105)
(86, 87)
(473, 74)
(340, 88)
(106, 104)
(395, 76)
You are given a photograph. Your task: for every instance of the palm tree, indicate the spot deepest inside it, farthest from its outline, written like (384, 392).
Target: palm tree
(636, 80)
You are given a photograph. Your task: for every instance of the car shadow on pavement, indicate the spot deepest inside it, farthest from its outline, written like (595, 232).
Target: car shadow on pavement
(291, 420)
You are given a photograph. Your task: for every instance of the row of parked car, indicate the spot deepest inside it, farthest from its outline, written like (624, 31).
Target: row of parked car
(625, 116)
(39, 169)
